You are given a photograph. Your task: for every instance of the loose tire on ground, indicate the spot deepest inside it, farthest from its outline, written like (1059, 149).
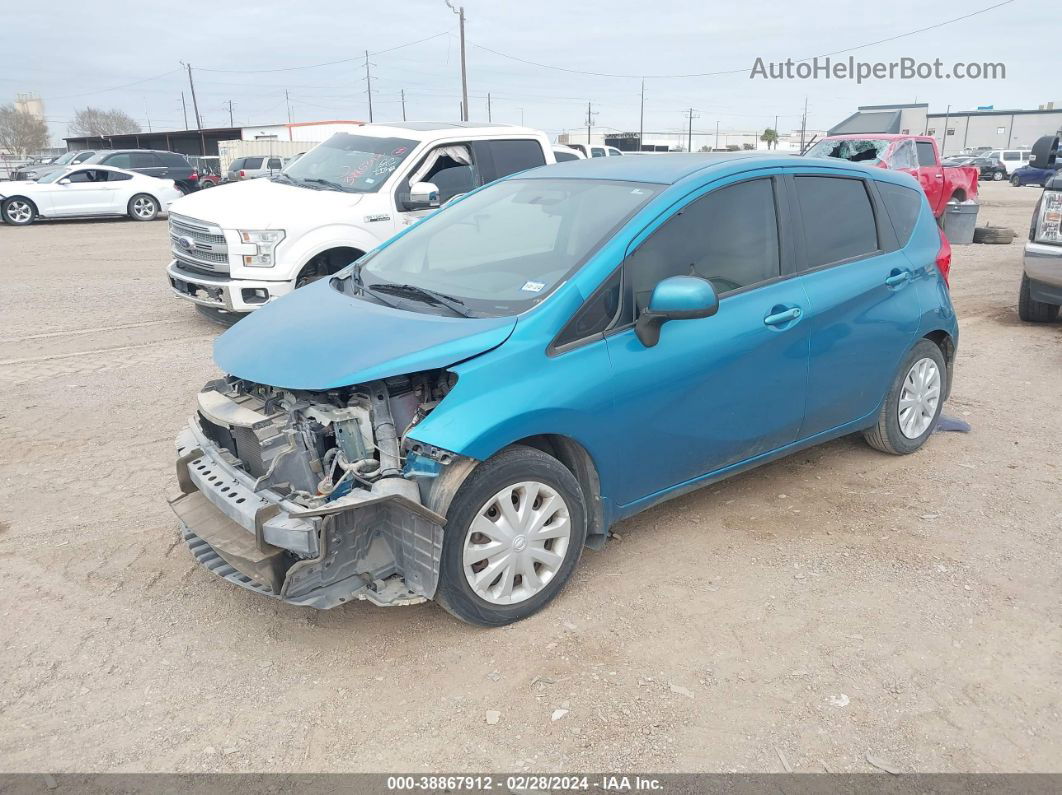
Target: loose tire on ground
(1032, 311)
(887, 434)
(520, 467)
(143, 207)
(993, 234)
(18, 211)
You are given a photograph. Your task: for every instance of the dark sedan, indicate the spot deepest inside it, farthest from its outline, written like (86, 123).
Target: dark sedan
(1030, 175)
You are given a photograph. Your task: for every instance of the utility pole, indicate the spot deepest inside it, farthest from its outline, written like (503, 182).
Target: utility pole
(287, 102)
(233, 124)
(803, 125)
(184, 107)
(368, 83)
(717, 135)
(589, 121)
(464, 72)
(641, 118)
(403, 104)
(944, 137)
(521, 116)
(775, 128)
(488, 107)
(689, 140)
(195, 102)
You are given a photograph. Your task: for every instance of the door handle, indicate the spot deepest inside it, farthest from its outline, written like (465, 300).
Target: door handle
(780, 318)
(897, 278)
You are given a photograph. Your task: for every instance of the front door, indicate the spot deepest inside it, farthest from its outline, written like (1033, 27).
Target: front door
(718, 390)
(81, 192)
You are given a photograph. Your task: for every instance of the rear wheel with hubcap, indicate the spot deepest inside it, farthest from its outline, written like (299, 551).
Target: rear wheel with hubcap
(911, 409)
(514, 532)
(18, 211)
(143, 207)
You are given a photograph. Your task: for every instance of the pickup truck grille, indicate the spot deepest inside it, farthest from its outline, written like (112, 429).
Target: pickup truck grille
(198, 245)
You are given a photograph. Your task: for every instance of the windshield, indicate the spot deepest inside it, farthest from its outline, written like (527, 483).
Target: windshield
(504, 249)
(55, 176)
(62, 161)
(856, 150)
(351, 163)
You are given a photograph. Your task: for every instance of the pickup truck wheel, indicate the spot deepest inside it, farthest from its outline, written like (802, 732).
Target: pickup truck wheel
(219, 316)
(18, 211)
(514, 533)
(1032, 311)
(912, 407)
(143, 207)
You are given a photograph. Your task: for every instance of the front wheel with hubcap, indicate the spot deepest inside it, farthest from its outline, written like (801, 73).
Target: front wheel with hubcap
(1015, 181)
(143, 207)
(914, 402)
(997, 176)
(514, 532)
(18, 211)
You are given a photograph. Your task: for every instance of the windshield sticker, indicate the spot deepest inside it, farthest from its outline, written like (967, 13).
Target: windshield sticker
(533, 287)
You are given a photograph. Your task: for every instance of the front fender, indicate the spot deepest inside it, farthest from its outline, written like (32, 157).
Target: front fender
(309, 245)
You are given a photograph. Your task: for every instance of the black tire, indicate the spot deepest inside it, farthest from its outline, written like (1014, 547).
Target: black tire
(1032, 311)
(145, 200)
(993, 234)
(997, 176)
(16, 204)
(1015, 181)
(513, 465)
(886, 434)
(219, 316)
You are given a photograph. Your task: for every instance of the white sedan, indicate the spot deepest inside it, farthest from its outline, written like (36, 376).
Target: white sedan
(86, 190)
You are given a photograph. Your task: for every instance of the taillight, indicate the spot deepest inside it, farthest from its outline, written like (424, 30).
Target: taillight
(943, 259)
(194, 176)
(242, 174)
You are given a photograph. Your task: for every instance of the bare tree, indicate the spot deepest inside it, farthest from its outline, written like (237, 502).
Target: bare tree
(21, 133)
(97, 122)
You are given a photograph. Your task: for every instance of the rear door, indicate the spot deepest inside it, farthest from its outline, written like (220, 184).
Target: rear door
(863, 310)
(499, 159)
(930, 173)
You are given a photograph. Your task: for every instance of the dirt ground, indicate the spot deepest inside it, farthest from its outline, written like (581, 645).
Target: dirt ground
(835, 604)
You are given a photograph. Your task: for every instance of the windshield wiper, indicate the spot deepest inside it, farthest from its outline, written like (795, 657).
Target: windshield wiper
(282, 177)
(455, 305)
(357, 286)
(326, 182)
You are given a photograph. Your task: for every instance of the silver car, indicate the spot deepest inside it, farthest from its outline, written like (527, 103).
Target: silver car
(253, 167)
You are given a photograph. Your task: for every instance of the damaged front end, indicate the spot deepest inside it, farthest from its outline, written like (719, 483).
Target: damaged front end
(307, 496)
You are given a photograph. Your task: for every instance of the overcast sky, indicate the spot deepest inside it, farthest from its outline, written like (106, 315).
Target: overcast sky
(72, 56)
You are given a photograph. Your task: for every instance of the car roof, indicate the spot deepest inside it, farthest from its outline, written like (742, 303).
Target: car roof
(429, 130)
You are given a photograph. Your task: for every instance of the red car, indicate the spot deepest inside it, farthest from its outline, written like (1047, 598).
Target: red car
(915, 154)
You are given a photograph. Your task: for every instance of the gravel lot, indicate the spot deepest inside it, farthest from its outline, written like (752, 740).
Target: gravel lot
(837, 603)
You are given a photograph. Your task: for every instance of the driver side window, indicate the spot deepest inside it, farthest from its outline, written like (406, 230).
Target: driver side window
(728, 236)
(450, 168)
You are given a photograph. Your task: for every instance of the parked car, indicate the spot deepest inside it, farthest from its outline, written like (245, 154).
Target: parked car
(989, 169)
(457, 414)
(250, 243)
(86, 190)
(152, 163)
(252, 167)
(916, 155)
(588, 151)
(1011, 159)
(564, 153)
(38, 170)
(1030, 175)
(1041, 280)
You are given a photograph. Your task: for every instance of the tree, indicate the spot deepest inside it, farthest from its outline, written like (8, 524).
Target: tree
(98, 123)
(770, 136)
(21, 133)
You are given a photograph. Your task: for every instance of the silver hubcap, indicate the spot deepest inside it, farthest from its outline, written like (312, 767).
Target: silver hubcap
(19, 212)
(919, 398)
(517, 543)
(145, 208)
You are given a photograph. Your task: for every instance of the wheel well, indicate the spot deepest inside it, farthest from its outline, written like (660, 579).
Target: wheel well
(959, 195)
(578, 461)
(6, 199)
(329, 261)
(946, 344)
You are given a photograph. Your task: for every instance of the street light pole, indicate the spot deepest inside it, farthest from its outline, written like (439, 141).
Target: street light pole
(464, 71)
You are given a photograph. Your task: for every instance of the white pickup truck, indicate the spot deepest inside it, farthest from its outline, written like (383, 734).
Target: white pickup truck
(241, 245)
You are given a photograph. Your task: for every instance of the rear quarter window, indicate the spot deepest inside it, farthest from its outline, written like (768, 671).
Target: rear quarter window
(903, 206)
(927, 156)
(252, 162)
(174, 159)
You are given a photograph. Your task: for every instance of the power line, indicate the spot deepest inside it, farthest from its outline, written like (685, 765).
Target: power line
(115, 88)
(742, 71)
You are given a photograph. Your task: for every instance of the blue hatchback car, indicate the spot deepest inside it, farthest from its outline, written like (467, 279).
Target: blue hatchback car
(457, 414)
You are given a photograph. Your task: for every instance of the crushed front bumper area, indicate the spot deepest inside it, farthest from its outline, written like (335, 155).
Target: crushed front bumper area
(381, 547)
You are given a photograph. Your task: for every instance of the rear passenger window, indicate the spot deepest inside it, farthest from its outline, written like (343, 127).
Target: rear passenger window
(121, 160)
(561, 157)
(838, 219)
(512, 156)
(927, 156)
(903, 205)
(252, 162)
(145, 160)
(174, 159)
(729, 236)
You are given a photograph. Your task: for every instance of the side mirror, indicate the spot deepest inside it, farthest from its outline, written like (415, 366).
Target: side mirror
(675, 298)
(422, 196)
(64, 181)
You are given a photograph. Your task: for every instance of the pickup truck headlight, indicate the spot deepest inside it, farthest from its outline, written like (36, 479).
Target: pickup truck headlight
(266, 241)
(1049, 222)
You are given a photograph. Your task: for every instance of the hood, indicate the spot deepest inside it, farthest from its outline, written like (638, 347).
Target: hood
(317, 338)
(263, 204)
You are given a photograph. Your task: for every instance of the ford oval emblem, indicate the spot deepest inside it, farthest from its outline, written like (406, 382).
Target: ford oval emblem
(186, 243)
